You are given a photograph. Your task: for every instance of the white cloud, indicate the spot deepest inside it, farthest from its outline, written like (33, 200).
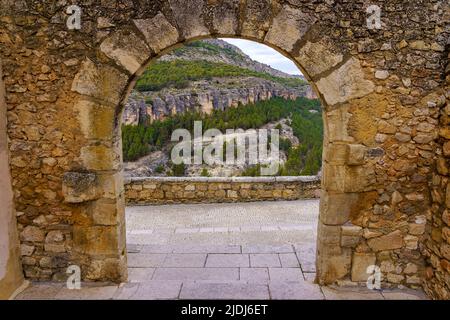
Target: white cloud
(264, 54)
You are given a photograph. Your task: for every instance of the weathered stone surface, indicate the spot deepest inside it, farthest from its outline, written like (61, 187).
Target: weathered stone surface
(346, 83)
(336, 208)
(225, 17)
(100, 157)
(318, 57)
(99, 81)
(360, 263)
(355, 154)
(96, 240)
(188, 15)
(257, 18)
(107, 212)
(158, 32)
(80, 187)
(393, 240)
(97, 121)
(127, 49)
(32, 234)
(293, 24)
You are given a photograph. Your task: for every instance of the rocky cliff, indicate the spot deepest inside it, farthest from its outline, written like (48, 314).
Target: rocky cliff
(206, 95)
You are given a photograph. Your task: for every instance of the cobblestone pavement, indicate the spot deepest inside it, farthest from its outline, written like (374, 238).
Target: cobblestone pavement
(263, 250)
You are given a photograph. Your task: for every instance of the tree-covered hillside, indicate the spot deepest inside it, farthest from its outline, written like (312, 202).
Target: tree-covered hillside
(178, 73)
(307, 126)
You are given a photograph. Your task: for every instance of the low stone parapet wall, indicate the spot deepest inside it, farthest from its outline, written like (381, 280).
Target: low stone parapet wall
(165, 190)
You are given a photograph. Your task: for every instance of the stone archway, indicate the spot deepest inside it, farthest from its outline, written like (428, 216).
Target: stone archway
(381, 102)
(338, 78)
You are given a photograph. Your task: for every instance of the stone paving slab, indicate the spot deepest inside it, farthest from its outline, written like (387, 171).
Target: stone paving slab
(285, 274)
(262, 260)
(332, 293)
(227, 260)
(286, 248)
(185, 260)
(295, 290)
(289, 260)
(40, 291)
(404, 294)
(231, 290)
(206, 249)
(87, 293)
(150, 290)
(196, 274)
(140, 274)
(145, 260)
(259, 275)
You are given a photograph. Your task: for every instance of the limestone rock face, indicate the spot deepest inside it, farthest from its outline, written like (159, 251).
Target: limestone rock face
(206, 96)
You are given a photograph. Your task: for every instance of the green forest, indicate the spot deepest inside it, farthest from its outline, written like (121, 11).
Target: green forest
(305, 159)
(179, 73)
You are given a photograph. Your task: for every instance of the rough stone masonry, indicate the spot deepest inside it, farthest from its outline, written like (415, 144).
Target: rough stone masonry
(385, 93)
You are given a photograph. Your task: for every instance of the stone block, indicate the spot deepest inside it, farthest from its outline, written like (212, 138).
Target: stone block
(80, 187)
(335, 153)
(100, 157)
(336, 125)
(257, 18)
(158, 32)
(351, 236)
(391, 241)
(336, 208)
(96, 240)
(107, 212)
(355, 154)
(346, 83)
(127, 49)
(109, 269)
(318, 57)
(293, 24)
(32, 234)
(225, 16)
(100, 81)
(188, 15)
(332, 263)
(360, 262)
(96, 120)
(112, 185)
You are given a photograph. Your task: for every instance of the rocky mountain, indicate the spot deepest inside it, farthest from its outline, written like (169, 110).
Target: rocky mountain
(214, 75)
(216, 50)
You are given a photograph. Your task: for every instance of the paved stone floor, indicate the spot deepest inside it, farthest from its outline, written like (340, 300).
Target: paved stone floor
(262, 250)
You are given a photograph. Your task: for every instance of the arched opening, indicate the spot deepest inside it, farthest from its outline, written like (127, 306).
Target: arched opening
(193, 221)
(344, 176)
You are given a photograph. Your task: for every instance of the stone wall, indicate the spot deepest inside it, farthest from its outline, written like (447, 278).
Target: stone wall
(11, 276)
(436, 244)
(165, 190)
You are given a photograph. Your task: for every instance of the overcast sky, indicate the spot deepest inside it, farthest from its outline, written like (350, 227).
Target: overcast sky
(264, 54)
